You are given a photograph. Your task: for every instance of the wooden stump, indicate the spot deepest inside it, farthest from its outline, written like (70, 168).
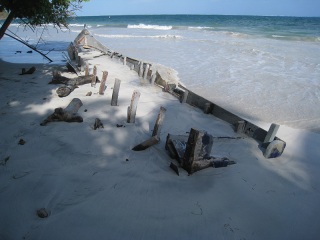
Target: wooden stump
(132, 109)
(115, 93)
(103, 82)
(69, 114)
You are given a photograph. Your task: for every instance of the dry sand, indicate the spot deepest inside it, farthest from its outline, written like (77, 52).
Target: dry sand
(95, 187)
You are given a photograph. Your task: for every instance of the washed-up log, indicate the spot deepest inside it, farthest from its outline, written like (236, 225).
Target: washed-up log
(146, 144)
(115, 93)
(103, 82)
(30, 71)
(65, 90)
(59, 79)
(71, 83)
(69, 114)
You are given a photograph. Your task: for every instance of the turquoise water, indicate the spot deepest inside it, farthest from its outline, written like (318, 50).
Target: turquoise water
(291, 28)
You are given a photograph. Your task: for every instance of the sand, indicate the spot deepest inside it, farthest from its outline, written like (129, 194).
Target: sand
(95, 187)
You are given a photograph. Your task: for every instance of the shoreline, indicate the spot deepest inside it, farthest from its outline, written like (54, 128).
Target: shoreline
(94, 180)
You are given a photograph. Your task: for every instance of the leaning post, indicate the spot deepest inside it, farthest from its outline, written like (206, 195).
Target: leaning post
(132, 109)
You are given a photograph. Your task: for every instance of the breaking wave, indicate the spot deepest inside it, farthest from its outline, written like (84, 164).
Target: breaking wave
(154, 27)
(134, 36)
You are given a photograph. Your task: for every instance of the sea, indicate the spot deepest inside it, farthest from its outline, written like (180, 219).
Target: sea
(265, 69)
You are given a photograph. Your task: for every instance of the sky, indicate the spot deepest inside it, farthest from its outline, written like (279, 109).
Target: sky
(307, 8)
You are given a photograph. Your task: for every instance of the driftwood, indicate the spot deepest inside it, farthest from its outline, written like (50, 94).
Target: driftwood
(71, 83)
(30, 71)
(69, 114)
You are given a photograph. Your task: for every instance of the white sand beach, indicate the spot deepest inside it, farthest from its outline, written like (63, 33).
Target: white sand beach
(95, 187)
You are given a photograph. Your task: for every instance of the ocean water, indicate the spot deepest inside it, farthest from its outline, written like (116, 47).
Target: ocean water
(265, 69)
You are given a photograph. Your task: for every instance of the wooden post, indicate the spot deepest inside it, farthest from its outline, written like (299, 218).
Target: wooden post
(240, 127)
(86, 69)
(208, 107)
(271, 133)
(158, 124)
(146, 70)
(198, 149)
(153, 77)
(189, 155)
(185, 96)
(124, 60)
(131, 115)
(115, 93)
(141, 69)
(103, 82)
(94, 79)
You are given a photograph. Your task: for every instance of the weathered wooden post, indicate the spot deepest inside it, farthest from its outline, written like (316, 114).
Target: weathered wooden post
(273, 148)
(124, 60)
(146, 70)
(86, 69)
(271, 133)
(208, 108)
(155, 135)
(103, 82)
(94, 79)
(141, 69)
(131, 115)
(185, 96)
(115, 93)
(153, 77)
(159, 121)
(241, 126)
